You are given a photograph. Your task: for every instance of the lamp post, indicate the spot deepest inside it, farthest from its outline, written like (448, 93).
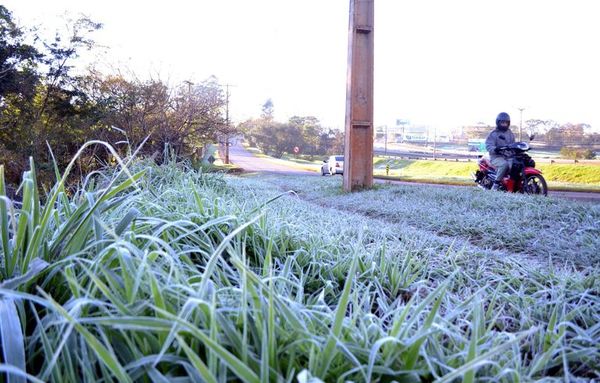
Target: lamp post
(521, 125)
(386, 140)
(434, 142)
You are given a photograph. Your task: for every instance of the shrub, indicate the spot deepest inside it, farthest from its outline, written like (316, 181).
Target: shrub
(576, 153)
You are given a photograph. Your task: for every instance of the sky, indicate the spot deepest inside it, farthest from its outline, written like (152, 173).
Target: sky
(437, 62)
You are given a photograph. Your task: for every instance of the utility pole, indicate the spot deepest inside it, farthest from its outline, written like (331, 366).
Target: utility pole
(358, 148)
(225, 132)
(189, 84)
(521, 125)
(190, 114)
(227, 124)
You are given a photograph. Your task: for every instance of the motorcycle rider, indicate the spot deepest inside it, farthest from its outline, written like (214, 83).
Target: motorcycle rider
(501, 136)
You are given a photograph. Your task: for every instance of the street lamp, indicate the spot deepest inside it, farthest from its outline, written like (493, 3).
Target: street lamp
(434, 141)
(521, 125)
(386, 140)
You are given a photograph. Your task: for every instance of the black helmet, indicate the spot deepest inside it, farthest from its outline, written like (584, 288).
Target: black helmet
(502, 117)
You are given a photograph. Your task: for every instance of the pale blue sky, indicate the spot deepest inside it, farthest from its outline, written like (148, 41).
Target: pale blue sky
(438, 62)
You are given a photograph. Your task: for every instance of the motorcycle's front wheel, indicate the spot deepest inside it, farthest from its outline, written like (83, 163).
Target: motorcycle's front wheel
(535, 184)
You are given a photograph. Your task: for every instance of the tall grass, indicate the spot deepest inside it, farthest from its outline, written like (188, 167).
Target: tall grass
(167, 274)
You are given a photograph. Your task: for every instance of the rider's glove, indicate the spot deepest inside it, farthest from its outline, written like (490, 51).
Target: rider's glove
(497, 150)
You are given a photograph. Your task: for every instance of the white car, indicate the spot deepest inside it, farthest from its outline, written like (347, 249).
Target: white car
(333, 165)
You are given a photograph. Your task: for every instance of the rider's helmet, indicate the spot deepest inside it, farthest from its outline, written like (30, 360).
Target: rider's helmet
(501, 118)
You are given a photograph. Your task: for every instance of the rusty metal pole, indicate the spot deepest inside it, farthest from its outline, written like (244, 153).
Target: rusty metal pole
(358, 148)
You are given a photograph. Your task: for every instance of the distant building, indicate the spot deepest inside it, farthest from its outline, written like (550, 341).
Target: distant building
(405, 131)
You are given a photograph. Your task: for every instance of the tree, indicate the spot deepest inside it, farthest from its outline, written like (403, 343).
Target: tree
(479, 131)
(573, 133)
(267, 110)
(185, 117)
(310, 131)
(557, 135)
(19, 81)
(540, 127)
(18, 60)
(197, 115)
(40, 99)
(60, 97)
(275, 138)
(335, 141)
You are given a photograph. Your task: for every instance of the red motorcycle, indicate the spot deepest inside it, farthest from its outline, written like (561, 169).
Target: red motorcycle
(523, 177)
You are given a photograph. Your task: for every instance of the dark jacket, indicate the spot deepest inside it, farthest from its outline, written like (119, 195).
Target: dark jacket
(498, 138)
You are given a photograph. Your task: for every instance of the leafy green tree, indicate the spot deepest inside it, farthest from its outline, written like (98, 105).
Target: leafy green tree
(19, 81)
(40, 100)
(60, 106)
(275, 138)
(334, 141)
(18, 60)
(310, 131)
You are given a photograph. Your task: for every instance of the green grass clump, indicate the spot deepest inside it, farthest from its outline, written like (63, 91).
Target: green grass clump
(423, 168)
(153, 273)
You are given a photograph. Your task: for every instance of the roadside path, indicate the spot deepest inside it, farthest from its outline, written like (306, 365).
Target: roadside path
(243, 158)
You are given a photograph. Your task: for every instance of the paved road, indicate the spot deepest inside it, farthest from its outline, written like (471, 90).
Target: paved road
(247, 161)
(580, 196)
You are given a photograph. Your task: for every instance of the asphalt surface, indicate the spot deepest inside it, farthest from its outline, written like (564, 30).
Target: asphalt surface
(243, 158)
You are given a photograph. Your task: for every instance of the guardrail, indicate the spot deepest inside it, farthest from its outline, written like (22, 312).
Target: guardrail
(449, 157)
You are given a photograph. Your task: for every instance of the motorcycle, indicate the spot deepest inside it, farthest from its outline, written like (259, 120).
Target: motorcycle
(523, 177)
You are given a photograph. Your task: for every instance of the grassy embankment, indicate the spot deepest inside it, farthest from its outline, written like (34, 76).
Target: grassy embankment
(559, 176)
(568, 177)
(161, 273)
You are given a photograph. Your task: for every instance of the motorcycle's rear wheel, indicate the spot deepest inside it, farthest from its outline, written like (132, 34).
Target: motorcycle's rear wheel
(486, 182)
(535, 184)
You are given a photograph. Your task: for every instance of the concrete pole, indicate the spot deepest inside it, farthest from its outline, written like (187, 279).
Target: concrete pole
(358, 148)
(227, 127)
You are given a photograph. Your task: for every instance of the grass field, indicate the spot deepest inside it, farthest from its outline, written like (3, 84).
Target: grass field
(167, 274)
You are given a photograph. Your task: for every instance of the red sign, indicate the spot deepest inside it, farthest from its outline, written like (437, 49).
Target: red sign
(296, 149)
